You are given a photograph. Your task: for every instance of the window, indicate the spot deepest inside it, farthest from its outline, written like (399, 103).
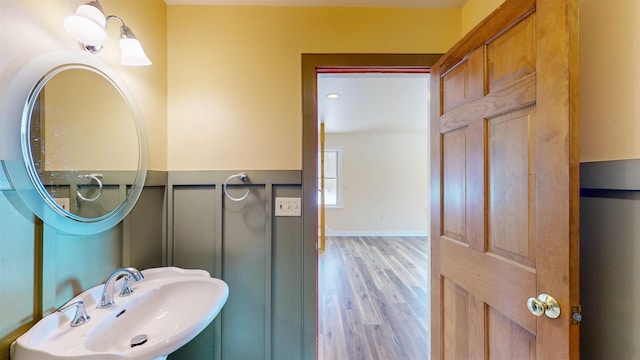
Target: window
(332, 169)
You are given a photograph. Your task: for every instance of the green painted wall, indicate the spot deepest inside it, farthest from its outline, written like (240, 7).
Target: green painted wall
(258, 255)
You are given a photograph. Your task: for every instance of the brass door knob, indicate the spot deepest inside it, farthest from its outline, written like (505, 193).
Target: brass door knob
(544, 304)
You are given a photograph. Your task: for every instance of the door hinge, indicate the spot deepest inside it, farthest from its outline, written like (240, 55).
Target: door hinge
(576, 314)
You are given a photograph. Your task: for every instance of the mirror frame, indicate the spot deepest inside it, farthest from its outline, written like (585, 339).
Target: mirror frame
(20, 88)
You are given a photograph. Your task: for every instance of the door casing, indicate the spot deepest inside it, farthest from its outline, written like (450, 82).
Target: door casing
(311, 64)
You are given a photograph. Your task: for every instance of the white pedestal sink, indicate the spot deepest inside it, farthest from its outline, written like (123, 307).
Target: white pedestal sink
(166, 310)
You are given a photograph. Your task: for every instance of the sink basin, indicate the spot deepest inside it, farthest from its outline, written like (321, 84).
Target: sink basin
(166, 310)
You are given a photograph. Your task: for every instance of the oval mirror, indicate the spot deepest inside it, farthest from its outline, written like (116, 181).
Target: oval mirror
(82, 143)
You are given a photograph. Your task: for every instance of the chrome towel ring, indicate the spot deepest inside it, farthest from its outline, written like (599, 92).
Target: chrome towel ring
(96, 178)
(242, 177)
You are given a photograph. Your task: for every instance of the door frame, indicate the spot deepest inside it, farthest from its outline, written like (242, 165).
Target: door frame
(312, 64)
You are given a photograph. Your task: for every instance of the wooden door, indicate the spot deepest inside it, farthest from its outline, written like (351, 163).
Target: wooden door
(505, 186)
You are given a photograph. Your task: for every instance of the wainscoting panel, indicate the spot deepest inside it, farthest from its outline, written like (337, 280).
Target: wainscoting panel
(143, 229)
(287, 279)
(245, 254)
(609, 253)
(194, 231)
(257, 255)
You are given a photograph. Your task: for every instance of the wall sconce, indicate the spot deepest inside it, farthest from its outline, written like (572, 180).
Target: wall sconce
(88, 26)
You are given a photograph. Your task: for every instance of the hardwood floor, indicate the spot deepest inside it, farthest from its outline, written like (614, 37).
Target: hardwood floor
(373, 298)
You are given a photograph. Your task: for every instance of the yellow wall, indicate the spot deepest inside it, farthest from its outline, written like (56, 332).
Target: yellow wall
(147, 20)
(609, 77)
(235, 74)
(475, 11)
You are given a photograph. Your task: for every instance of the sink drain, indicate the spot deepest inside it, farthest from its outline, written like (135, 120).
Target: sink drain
(138, 340)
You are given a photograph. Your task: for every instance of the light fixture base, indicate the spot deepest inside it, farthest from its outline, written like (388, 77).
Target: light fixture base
(94, 49)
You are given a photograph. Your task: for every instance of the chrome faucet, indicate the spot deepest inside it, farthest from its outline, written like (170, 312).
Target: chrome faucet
(109, 286)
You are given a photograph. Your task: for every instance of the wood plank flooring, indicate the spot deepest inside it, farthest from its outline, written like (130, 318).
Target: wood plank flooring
(373, 298)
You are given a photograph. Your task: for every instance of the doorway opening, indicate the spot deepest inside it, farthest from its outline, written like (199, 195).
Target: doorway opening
(337, 66)
(373, 219)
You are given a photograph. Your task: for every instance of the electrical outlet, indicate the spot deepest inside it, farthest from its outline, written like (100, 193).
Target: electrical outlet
(287, 206)
(63, 203)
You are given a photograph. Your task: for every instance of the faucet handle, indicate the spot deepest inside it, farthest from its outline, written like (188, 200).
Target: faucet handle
(80, 317)
(126, 286)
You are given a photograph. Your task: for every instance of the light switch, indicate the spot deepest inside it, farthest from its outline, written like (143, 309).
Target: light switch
(288, 206)
(64, 203)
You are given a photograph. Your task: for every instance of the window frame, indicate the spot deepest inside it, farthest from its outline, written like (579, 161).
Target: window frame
(339, 177)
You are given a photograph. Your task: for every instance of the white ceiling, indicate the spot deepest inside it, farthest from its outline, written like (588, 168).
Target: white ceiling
(374, 103)
(448, 4)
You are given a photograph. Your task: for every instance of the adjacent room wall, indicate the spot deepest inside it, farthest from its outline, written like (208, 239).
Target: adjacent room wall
(385, 185)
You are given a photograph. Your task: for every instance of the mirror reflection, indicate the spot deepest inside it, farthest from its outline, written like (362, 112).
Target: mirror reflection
(83, 142)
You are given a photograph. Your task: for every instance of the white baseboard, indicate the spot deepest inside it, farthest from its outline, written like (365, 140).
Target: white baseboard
(375, 233)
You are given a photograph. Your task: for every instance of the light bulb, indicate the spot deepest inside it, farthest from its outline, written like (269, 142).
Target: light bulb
(132, 53)
(87, 25)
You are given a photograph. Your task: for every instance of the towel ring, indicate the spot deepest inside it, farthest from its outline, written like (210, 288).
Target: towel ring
(96, 178)
(242, 177)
